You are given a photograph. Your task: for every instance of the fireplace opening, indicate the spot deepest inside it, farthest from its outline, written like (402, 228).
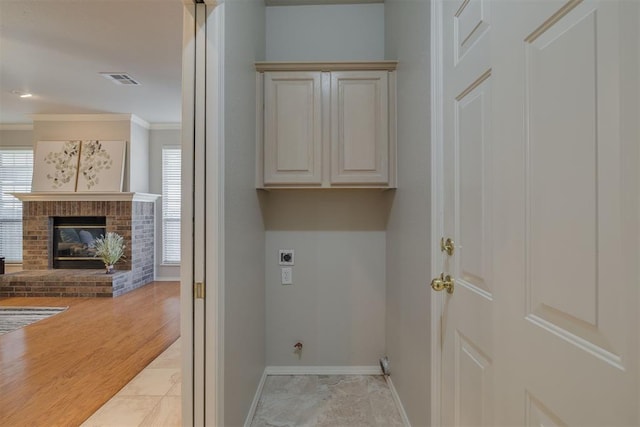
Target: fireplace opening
(73, 238)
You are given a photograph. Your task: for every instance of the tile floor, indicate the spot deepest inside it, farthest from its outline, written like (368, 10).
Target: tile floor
(152, 398)
(326, 401)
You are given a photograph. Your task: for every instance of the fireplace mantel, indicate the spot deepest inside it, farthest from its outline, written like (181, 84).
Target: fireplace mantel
(85, 197)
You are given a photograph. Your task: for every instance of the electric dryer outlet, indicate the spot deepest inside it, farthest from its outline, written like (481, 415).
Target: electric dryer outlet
(285, 257)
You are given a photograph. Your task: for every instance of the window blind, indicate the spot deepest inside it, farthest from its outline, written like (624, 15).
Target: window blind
(171, 200)
(16, 169)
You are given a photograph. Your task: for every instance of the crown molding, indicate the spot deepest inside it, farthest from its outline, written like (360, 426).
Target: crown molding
(83, 117)
(140, 121)
(90, 118)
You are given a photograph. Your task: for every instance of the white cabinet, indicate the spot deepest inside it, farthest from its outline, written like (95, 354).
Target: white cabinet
(292, 128)
(359, 127)
(326, 125)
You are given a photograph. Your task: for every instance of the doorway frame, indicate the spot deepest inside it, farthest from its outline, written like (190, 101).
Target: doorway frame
(437, 205)
(186, 226)
(202, 225)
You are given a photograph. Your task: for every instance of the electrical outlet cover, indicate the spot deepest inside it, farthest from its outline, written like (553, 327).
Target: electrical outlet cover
(287, 275)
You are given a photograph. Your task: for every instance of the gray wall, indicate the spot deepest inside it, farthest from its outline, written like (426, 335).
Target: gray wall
(336, 305)
(116, 130)
(325, 33)
(244, 335)
(408, 235)
(161, 138)
(16, 138)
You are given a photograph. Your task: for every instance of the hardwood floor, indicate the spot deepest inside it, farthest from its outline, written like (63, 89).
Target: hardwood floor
(59, 371)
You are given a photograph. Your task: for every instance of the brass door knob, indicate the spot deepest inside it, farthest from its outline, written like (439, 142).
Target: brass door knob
(443, 282)
(447, 246)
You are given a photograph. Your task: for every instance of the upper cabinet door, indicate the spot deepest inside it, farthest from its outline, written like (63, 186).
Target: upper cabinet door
(292, 126)
(359, 127)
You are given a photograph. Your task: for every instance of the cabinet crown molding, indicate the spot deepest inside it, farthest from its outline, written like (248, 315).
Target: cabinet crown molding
(264, 66)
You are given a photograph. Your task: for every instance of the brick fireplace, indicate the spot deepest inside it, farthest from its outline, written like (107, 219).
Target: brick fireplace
(132, 215)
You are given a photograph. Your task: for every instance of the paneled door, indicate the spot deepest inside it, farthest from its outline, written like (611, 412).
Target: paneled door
(541, 190)
(467, 352)
(359, 127)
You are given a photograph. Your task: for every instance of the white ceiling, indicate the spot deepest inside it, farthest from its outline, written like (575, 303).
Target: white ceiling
(56, 48)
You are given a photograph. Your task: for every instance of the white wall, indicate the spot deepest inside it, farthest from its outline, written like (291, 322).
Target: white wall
(336, 305)
(159, 138)
(325, 33)
(139, 152)
(408, 235)
(244, 296)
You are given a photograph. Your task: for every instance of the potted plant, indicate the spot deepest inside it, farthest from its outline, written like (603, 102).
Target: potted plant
(110, 249)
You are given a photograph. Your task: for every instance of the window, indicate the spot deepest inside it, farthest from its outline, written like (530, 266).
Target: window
(16, 168)
(171, 158)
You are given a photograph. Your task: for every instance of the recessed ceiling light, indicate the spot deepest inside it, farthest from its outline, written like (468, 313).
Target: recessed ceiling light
(21, 93)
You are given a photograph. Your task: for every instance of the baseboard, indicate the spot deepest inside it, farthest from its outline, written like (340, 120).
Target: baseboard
(323, 370)
(396, 399)
(256, 399)
(166, 279)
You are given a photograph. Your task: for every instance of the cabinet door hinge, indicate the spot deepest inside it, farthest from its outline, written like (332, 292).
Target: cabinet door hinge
(198, 290)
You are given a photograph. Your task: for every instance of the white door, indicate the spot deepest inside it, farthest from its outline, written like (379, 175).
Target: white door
(547, 333)
(467, 353)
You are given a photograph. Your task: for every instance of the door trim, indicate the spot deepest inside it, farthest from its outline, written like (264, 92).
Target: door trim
(202, 213)
(214, 207)
(437, 207)
(186, 228)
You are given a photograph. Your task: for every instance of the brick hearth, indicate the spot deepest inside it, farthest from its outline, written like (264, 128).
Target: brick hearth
(65, 283)
(132, 219)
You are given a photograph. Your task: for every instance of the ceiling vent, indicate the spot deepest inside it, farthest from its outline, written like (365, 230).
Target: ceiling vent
(120, 78)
